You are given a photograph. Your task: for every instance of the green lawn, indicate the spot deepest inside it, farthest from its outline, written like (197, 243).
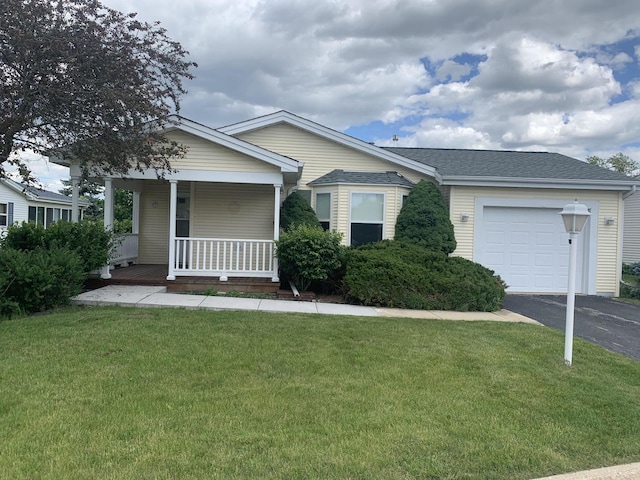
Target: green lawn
(119, 393)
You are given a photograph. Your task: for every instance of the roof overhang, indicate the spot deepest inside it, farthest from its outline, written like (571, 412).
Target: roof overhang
(554, 183)
(329, 134)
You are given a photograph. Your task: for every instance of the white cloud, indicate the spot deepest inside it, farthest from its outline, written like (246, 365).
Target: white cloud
(547, 81)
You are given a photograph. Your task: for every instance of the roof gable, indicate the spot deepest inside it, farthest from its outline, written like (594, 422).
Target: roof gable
(333, 135)
(285, 164)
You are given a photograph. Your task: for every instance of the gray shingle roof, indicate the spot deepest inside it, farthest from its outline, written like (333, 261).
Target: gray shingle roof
(507, 164)
(364, 178)
(41, 194)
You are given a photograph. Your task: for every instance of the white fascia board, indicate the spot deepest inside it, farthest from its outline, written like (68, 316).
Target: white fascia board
(577, 184)
(211, 176)
(354, 184)
(329, 134)
(286, 164)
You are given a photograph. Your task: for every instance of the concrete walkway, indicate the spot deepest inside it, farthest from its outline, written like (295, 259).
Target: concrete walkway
(138, 296)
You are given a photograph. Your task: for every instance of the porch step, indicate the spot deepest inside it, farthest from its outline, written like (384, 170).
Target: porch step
(201, 284)
(156, 275)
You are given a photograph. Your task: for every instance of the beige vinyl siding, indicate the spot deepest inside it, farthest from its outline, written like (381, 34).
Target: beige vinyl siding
(320, 156)
(205, 155)
(153, 241)
(631, 242)
(608, 255)
(232, 211)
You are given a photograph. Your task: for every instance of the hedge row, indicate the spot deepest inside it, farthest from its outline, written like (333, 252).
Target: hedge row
(401, 275)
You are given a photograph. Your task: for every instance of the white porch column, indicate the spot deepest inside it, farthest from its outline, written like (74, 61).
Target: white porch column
(135, 220)
(276, 229)
(173, 200)
(75, 195)
(108, 218)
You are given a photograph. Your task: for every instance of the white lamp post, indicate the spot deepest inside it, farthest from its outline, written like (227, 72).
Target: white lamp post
(574, 216)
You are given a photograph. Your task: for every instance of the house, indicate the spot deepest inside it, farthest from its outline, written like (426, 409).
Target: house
(631, 236)
(218, 215)
(26, 203)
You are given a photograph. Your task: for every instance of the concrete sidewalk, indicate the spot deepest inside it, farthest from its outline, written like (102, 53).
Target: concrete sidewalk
(620, 472)
(139, 296)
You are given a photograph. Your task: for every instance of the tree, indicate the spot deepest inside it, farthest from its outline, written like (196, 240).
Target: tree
(424, 220)
(86, 80)
(619, 162)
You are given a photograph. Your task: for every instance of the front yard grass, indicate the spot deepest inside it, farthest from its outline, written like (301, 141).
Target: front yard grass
(159, 394)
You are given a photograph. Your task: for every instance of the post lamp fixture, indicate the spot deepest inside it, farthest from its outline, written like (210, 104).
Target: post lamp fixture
(574, 216)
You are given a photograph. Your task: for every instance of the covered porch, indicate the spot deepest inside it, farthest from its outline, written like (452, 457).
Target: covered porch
(183, 228)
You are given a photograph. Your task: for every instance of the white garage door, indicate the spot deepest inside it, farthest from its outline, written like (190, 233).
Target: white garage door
(528, 248)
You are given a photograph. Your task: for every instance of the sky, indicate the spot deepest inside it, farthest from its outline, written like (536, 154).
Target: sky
(539, 75)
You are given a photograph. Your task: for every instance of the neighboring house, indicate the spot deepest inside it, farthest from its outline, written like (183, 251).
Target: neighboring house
(24, 203)
(218, 215)
(631, 238)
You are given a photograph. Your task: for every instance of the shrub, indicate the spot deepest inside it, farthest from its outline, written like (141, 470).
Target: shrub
(88, 239)
(634, 269)
(307, 253)
(424, 220)
(296, 210)
(400, 275)
(37, 280)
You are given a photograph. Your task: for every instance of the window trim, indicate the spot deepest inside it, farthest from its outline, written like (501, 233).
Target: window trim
(384, 211)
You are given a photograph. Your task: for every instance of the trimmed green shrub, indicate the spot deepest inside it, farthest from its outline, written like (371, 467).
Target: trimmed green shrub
(634, 269)
(295, 210)
(424, 220)
(88, 239)
(37, 280)
(400, 275)
(307, 253)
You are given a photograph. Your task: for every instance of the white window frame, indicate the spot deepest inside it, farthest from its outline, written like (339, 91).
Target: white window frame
(384, 210)
(4, 215)
(315, 205)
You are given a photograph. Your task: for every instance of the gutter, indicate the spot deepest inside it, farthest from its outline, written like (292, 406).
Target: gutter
(629, 193)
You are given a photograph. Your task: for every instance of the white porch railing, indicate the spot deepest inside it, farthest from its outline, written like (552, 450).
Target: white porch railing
(127, 250)
(223, 257)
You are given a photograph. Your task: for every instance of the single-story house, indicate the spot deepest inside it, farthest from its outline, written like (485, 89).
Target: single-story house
(26, 203)
(218, 215)
(631, 237)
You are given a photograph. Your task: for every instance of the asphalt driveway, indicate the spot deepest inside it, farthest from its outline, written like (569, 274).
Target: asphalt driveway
(612, 324)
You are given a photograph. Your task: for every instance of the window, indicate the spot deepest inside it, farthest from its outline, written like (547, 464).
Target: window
(323, 209)
(47, 215)
(4, 214)
(367, 217)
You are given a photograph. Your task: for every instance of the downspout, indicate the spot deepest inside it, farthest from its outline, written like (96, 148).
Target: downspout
(629, 193)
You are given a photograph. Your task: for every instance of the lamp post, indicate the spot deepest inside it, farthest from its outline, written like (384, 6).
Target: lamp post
(574, 216)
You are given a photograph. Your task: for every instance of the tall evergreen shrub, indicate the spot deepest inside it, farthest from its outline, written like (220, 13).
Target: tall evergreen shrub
(424, 220)
(296, 210)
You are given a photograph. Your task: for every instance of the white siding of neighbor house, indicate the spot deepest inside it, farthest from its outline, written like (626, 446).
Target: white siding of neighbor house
(206, 155)
(609, 237)
(20, 203)
(319, 155)
(631, 240)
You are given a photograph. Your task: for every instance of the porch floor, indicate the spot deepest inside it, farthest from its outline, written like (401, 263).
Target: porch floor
(157, 275)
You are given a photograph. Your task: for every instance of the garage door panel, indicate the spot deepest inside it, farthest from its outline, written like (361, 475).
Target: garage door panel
(527, 247)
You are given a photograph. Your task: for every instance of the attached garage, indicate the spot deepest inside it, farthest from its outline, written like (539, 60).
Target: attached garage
(528, 248)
